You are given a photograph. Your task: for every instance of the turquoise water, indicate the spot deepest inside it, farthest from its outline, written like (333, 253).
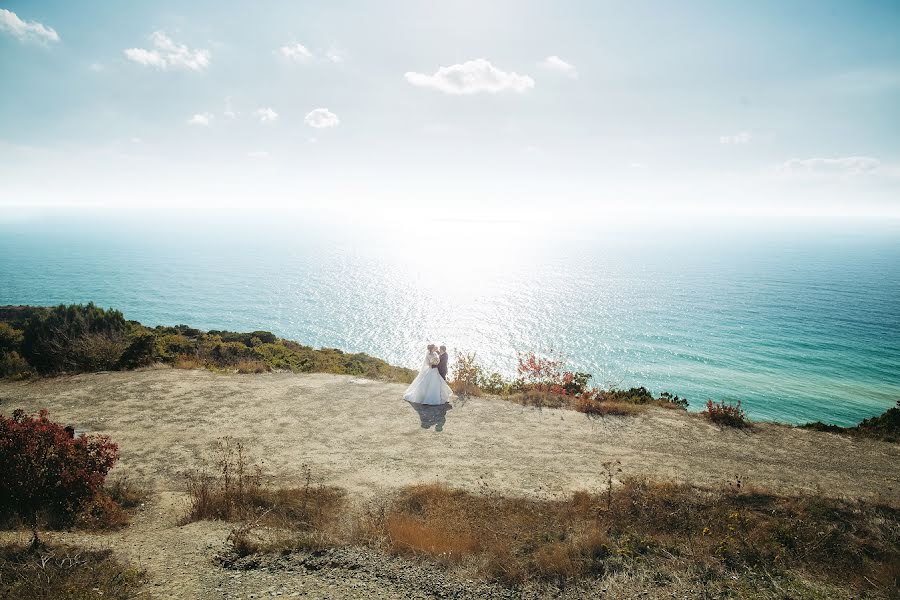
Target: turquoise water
(799, 326)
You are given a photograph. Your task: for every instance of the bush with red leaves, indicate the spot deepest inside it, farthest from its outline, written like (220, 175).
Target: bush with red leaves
(46, 471)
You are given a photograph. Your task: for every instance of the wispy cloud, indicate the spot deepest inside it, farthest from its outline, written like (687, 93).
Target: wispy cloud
(296, 52)
(258, 154)
(472, 77)
(847, 165)
(335, 54)
(555, 63)
(26, 31)
(203, 119)
(266, 115)
(168, 54)
(322, 118)
(742, 137)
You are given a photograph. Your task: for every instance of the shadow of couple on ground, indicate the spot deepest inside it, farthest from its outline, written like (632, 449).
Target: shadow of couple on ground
(432, 415)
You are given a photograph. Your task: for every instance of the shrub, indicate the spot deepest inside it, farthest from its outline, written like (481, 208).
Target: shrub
(731, 415)
(886, 426)
(141, 351)
(13, 365)
(667, 400)
(99, 351)
(593, 407)
(72, 337)
(10, 338)
(44, 470)
(466, 374)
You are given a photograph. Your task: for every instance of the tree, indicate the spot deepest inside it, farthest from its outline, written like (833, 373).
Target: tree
(44, 469)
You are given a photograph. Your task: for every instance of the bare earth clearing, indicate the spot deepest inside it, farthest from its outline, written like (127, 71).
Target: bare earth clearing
(360, 435)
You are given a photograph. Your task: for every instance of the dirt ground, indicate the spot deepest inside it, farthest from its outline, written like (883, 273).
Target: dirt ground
(360, 435)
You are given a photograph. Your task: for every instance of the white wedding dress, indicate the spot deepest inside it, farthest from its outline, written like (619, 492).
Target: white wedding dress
(428, 387)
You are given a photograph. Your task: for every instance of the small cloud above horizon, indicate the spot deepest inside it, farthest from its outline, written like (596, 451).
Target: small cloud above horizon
(169, 54)
(296, 52)
(203, 119)
(471, 77)
(847, 165)
(26, 31)
(322, 118)
(266, 115)
(743, 137)
(555, 63)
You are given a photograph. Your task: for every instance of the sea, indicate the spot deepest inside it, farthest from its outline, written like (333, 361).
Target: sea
(798, 321)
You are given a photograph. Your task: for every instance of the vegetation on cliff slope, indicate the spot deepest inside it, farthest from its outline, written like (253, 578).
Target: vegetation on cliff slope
(86, 338)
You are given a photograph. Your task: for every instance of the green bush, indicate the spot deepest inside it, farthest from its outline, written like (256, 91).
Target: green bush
(74, 338)
(10, 338)
(13, 365)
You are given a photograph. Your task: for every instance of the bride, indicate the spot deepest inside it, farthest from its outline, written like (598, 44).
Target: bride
(428, 387)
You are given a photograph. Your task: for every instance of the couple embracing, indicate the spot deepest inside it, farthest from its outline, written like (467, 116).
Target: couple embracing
(430, 385)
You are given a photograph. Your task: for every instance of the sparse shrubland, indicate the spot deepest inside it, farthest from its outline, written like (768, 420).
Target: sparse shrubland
(731, 537)
(86, 338)
(545, 382)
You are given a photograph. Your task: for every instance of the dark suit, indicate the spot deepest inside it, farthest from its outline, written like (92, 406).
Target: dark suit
(442, 366)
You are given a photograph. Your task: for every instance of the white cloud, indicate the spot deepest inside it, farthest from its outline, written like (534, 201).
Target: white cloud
(321, 118)
(555, 63)
(335, 55)
(26, 31)
(472, 77)
(848, 165)
(296, 52)
(742, 137)
(265, 115)
(95, 67)
(169, 54)
(201, 119)
(258, 154)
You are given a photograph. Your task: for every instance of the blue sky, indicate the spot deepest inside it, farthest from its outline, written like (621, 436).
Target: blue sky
(475, 109)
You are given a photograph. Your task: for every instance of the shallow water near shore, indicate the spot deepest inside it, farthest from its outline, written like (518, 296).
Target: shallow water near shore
(798, 326)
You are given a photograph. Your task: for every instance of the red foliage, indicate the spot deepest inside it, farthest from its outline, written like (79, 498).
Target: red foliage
(539, 372)
(728, 414)
(44, 469)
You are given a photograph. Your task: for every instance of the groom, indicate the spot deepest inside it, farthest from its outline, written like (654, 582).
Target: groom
(442, 366)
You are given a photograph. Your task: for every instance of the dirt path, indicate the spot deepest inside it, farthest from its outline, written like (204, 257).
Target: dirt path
(360, 435)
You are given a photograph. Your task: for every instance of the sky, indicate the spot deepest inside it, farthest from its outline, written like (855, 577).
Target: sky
(587, 111)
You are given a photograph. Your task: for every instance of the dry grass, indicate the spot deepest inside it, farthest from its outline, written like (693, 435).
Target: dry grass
(465, 389)
(682, 530)
(126, 492)
(597, 408)
(65, 572)
(306, 516)
(247, 367)
(184, 361)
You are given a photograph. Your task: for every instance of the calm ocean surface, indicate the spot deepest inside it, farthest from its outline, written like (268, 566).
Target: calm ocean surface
(798, 326)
